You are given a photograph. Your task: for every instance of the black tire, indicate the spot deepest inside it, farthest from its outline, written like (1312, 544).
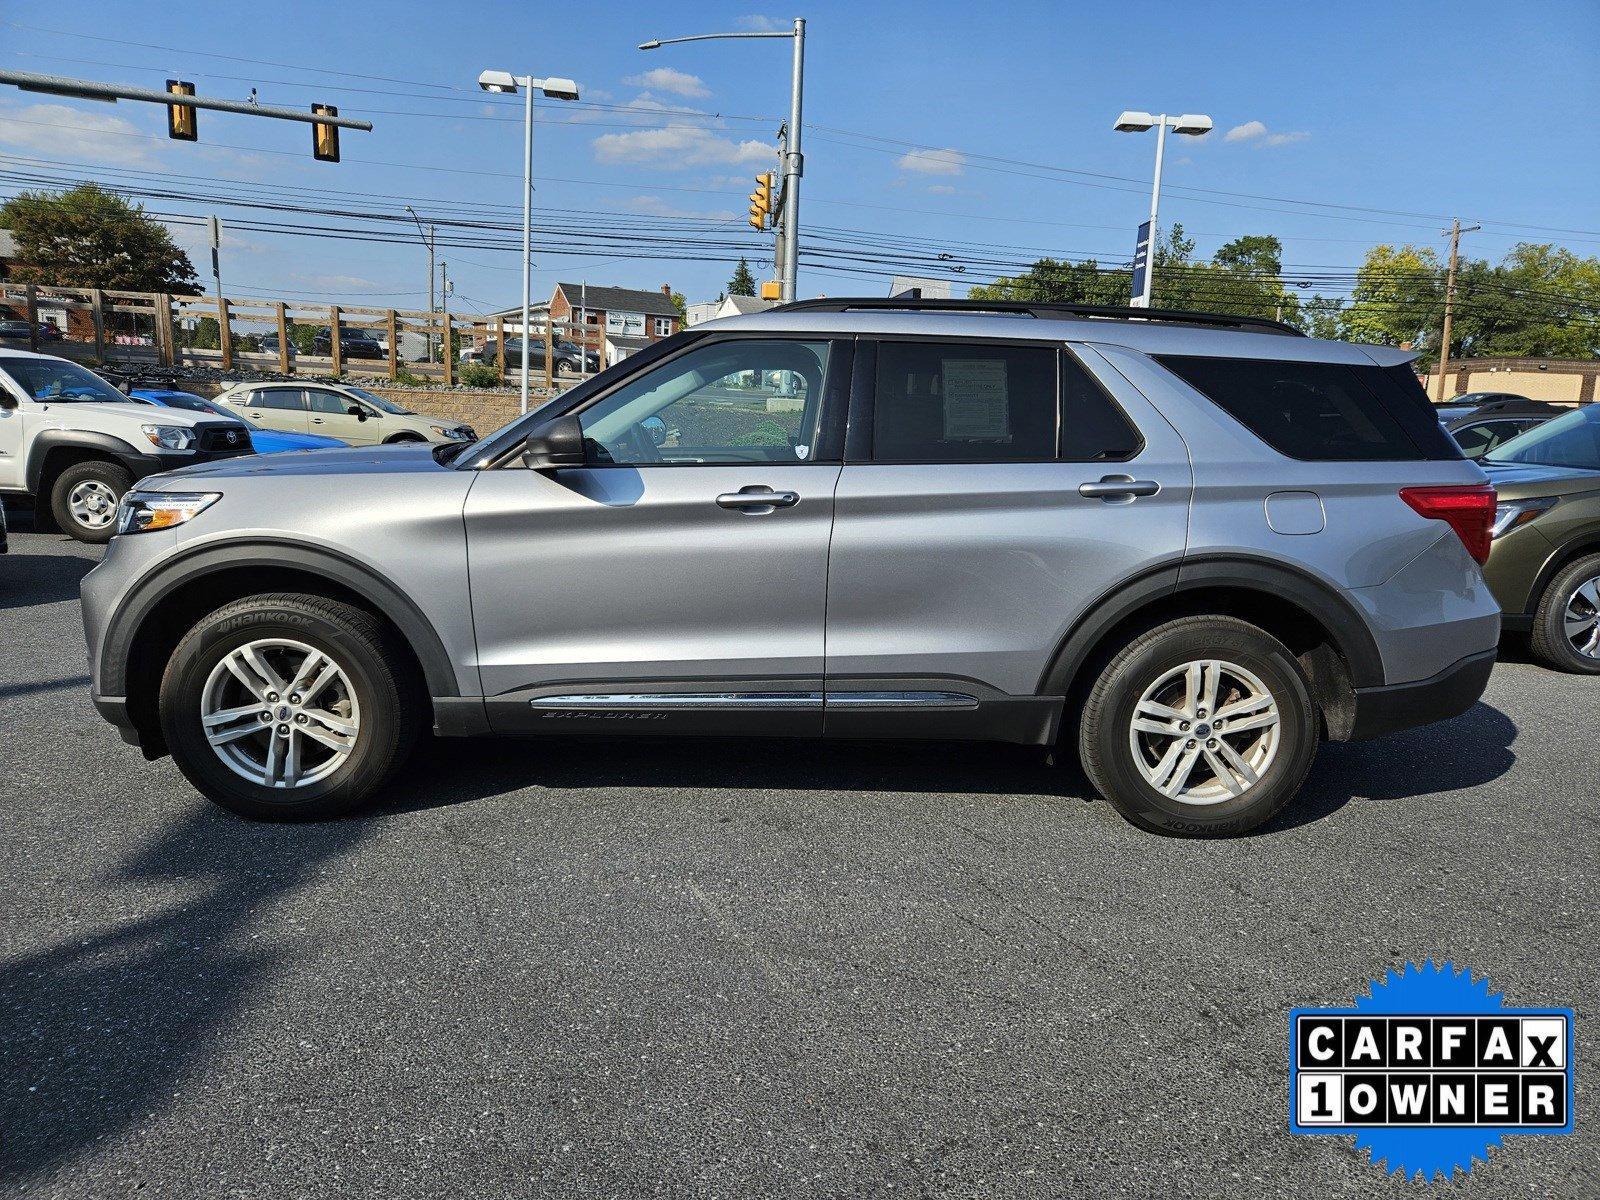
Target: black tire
(1106, 727)
(1549, 636)
(390, 699)
(99, 476)
(405, 439)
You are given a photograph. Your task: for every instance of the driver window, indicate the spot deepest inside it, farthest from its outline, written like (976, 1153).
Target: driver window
(738, 401)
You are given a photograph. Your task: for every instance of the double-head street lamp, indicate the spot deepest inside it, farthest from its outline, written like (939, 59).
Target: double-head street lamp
(793, 163)
(1191, 124)
(556, 89)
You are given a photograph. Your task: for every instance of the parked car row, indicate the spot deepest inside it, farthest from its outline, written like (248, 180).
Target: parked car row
(74, 444)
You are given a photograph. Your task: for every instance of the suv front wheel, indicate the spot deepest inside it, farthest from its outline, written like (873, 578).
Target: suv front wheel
(1201, 727)
(1566, 625)
(288, 707)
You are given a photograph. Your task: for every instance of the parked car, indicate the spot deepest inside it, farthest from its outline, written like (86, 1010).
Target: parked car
(1182, 546)
(351, 414)
(1479, 435)
(265, 441)
(353, 343)
(15, 331)
(76, 444)
(1545, 565)
(267, 343)
(565, 358)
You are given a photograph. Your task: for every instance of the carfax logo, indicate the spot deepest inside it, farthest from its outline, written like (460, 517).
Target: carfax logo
(1430, 1070)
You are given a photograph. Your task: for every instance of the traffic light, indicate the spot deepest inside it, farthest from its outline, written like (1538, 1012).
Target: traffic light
(761, 201)
(181, 123)
(325, 138)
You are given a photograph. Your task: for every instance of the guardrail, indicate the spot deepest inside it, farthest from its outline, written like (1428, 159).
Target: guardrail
(285, 337)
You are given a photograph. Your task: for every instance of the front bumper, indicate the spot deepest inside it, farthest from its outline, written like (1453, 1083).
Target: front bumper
(1381, 710)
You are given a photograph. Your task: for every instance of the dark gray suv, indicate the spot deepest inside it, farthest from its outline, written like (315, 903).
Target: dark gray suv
(1185, 547)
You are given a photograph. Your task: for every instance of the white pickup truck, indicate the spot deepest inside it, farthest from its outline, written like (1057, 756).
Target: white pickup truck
(75, 444)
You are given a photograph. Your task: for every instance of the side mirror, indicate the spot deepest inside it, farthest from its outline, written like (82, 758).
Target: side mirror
(655, 429)
(356, 411)
(555, 443)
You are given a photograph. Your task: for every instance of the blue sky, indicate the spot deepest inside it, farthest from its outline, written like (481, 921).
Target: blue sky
(1424, 110)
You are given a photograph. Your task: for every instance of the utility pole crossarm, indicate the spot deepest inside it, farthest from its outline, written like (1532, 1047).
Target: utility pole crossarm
(89, 89)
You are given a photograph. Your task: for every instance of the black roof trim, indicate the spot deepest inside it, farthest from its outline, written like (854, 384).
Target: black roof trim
(1031, 308)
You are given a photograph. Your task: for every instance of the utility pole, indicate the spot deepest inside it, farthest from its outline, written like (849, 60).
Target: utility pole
(214, 232)
(1455, 232)
(427, 240)
(444, 300)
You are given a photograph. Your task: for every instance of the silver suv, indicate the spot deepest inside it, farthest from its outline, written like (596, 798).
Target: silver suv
(1185, 546)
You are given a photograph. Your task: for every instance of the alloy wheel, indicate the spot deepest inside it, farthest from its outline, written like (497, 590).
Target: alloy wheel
(1205, 732)
(280, 713)
(1581, 620)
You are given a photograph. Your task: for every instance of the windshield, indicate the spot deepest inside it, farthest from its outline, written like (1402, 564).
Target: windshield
(57, 382)
(378, 402)
(192, 403)
(1572, 440)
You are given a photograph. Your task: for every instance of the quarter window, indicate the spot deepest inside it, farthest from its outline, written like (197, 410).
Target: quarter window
(738, 401)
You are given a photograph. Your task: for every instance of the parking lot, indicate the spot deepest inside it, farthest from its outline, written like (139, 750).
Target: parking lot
(742, 969)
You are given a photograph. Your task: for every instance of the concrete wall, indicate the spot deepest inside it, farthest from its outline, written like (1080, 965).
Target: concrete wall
(1559, 380)
(485, 411)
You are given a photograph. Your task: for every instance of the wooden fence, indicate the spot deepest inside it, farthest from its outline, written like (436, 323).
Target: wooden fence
(268, 335)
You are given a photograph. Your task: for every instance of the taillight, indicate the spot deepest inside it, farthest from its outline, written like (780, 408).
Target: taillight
(1468, 509)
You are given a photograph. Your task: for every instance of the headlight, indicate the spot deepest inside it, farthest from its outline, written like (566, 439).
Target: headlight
(143, 512)
(1510, 514)
(450, 433)
(169, 437)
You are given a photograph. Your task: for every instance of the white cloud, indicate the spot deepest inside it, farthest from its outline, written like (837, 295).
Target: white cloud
(933, 162)
(655, 206)
(678, 145)
(1257, 133)
(665, 79)
(941, 189)
(760, 24)
(58, 130)
(336, 282)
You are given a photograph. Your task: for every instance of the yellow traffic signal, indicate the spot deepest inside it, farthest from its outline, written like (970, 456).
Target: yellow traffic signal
(325, 138)
(761, 201)
(181, 123)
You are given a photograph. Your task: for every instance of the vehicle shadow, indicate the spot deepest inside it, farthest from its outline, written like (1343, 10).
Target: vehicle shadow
(1469, 751)
(96, 1031)
(27, 580)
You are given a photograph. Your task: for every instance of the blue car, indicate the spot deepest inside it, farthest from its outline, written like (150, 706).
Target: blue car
(266, 441)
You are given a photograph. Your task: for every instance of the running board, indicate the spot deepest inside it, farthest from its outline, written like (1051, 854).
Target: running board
(754, 700)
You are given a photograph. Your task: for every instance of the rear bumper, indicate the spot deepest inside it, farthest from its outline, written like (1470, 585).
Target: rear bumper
(1381, 710)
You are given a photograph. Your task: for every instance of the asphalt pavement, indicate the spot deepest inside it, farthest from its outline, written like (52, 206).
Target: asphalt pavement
(743, 969)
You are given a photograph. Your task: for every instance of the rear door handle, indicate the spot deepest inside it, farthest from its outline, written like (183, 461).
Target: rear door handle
(758, 498)
(1118, 487)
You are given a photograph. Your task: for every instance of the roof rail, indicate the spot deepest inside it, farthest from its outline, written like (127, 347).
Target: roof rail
(1043, 309)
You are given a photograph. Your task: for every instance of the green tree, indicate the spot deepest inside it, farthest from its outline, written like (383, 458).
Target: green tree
(1398, 298)
(89, 238)
(743, 283)
(681, 303)
(1320, 316)
(1540, 301)
(1049, 281)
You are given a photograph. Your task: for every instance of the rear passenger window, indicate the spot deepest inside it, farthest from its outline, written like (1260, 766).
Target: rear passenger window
(942, 402)
(284, 398)
(1320, 412)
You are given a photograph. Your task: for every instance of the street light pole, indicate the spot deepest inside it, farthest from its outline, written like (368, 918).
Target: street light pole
(1190, 124)
(555, 89)
(793, 160)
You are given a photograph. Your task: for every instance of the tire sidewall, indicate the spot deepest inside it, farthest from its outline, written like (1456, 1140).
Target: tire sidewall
(184, 682)
(113, 476)
(1257, 653)
(1556, 650)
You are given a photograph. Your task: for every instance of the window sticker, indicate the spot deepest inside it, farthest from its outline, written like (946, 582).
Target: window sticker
(975, 400)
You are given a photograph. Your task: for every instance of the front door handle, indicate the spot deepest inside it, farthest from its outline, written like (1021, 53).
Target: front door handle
(1118, 487)
(758, 498)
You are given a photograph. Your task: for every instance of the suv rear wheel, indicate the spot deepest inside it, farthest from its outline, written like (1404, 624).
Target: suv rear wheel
(84, 499)
(288, 707)
(1566, 625)
(1201, 727)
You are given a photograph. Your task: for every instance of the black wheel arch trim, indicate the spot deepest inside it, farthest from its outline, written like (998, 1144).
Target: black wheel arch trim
(1559, 559)
(47, 440)
(143, 598)
(1274, 579)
